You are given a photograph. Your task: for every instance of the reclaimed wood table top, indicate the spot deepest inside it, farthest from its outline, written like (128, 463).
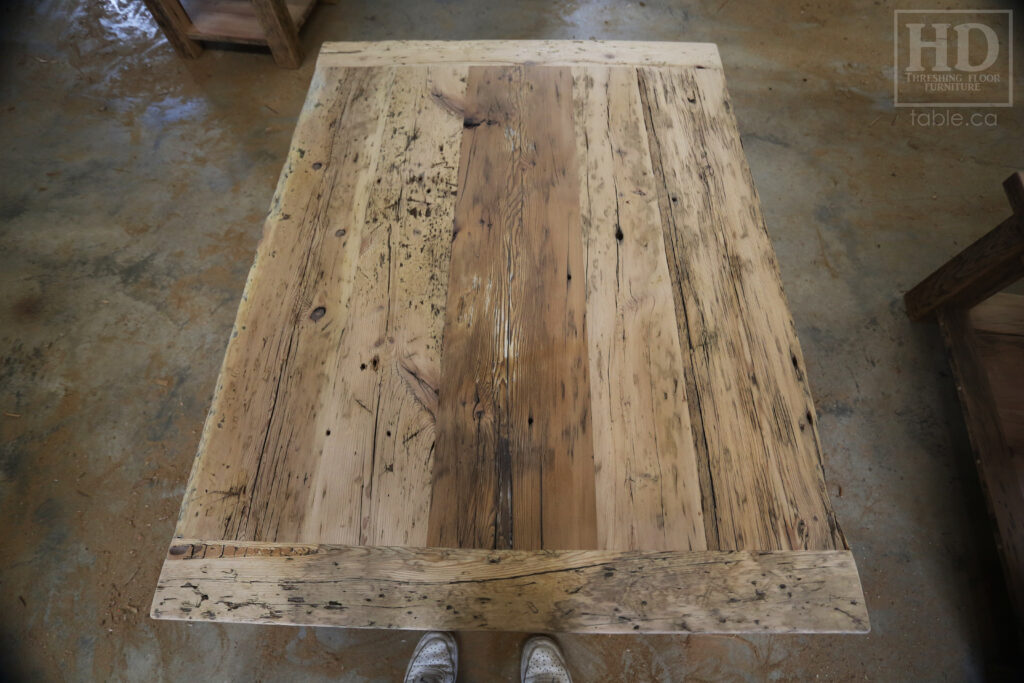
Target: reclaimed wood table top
(514, 354)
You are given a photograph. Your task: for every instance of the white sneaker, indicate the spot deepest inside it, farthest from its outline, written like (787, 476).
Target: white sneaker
(543, 662)
(435, 659)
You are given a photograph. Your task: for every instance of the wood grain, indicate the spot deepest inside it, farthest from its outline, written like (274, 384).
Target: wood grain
(750, 401)
(235, 21)
(373, 481)
(281, 32)
(586, 591)
(646, 469)
(519, 52)
(309, 478)
(261, 443)
(514, 465)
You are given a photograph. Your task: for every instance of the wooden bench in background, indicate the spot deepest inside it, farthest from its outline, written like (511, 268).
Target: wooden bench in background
(984, 333)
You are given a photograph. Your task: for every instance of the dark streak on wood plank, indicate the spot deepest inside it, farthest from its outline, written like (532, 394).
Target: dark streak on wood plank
(514, 466)
(676, 262)
(751, 410)
(471, 506)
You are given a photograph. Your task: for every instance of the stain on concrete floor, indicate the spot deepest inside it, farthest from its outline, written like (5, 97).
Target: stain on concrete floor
(132, 191)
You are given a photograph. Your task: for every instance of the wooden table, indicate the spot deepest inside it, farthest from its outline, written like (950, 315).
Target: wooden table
(514, 355)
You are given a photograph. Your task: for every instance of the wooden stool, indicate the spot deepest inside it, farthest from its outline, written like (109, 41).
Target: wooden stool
(274, 23)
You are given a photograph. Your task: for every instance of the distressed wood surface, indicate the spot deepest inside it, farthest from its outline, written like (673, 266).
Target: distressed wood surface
(592, 591)
(756, 424)
(514, 465)
(515, 52)
(518, 297)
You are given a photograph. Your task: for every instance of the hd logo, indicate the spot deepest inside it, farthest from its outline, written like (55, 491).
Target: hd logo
(953, 58)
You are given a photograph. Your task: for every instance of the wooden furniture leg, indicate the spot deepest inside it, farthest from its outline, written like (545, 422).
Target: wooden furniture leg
(282, 34)
(172, 19)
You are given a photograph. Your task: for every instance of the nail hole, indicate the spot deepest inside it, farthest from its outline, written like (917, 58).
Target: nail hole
(328, 432)
(529, 420)
(317, 313)
(339, 233)
(618, 233)
(317, 166)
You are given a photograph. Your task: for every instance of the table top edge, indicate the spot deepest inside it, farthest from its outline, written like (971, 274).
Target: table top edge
(539, 52)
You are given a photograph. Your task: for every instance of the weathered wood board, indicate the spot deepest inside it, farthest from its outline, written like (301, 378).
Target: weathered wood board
(515, 304)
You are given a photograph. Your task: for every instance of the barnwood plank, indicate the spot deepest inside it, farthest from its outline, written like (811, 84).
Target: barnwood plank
(420, 185)
(514, 463)
(471, 503)
(750, 400)
(517, 52)
(264, 439)
(648, 494)
(379, 424)
(592, 591)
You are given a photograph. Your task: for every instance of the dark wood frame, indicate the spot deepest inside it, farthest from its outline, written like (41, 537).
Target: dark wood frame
(987, 266)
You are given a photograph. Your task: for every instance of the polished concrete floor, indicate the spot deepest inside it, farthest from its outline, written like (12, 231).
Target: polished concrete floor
(132, 189)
